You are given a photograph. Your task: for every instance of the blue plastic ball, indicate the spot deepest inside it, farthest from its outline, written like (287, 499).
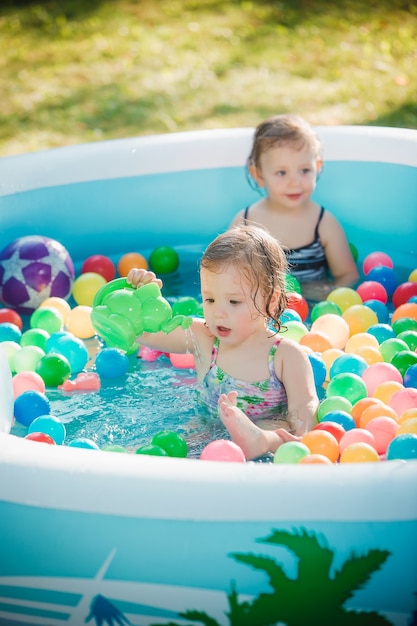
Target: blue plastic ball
(68, 345)
(111, 363)
(318, 367)
(10, 332)
(403, 447)
(50, 425)
(380, 309)
(343, 418)
(410, 376)
(348, 363)
(381, 332)
(83, 442)
(29, 405)
(384, 275)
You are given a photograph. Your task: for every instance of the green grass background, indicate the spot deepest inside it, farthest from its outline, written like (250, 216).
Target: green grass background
(75, 71)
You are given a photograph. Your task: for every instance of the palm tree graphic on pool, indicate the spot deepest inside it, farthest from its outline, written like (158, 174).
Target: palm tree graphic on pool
(313, 597)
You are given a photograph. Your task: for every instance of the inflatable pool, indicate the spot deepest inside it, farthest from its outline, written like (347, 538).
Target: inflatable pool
(128, 539)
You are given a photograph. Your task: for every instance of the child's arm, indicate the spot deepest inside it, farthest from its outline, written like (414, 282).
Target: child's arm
(293, 368)
(339, 256)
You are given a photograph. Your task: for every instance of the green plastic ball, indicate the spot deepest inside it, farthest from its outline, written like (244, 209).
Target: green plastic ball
(173, 444)
(54, 369)
(164, 260)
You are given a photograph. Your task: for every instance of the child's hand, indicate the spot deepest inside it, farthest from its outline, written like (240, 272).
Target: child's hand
(137, 277)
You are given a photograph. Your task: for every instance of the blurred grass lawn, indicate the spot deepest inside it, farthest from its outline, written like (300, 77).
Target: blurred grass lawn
(75, 71)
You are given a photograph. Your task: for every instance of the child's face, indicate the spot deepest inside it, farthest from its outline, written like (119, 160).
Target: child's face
(288, 174)
(229, 310)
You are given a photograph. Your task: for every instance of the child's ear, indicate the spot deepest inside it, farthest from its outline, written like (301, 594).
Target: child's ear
(319, 166)
(256, 175)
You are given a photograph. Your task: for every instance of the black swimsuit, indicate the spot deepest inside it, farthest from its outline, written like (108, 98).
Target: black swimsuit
(309, 262)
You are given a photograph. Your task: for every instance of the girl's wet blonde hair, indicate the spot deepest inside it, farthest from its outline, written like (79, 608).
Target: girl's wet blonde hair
(283, 130)
(259, 258)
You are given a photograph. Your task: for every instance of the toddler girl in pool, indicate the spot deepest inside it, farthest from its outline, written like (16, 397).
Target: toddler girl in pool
(259, 383)
(285, 160)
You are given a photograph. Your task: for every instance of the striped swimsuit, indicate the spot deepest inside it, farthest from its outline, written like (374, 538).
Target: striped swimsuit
(306, 263)
(258, 400)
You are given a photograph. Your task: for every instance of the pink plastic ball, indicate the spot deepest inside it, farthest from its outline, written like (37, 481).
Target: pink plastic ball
(372, 290)
(403, 400)
(27, 381)
(378, 373)
(383, 430)
(374, 259)
(356, 435)
(223, 450)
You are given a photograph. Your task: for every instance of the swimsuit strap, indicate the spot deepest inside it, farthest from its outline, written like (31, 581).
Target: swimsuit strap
(245, 215)
(214, 352)
(316, 230)
(271, 356)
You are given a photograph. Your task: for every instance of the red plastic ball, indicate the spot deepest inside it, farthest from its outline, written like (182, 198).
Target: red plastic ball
(403, 293)
(41, 437)
(11, 316)
(297, 302)
(372, 290)
(99, 264)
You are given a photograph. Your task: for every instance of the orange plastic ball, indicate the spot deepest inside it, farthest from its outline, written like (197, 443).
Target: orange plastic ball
(360, 406)
(409, 309)
(376, 410)
(317, 341)
(329, 356)
(334, 326)
(129, 261)
(322, 442)
(359, 452)
(315, 459)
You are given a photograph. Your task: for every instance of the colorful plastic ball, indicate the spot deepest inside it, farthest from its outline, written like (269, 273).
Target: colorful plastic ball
(408, 426)
(384, 275)
(291, 452)
(386, 390)
(294, 330)
(183, 361)
(324, 307)
(40, 437)
(372, 290)
(333, 428)
(71, 347)
(403, 361)
(404, 324)
(99, 264)
(403, 447)
(374, 259)
(223, 450)
(410, 376)
(113, 447)
(33, 268)
(403, 293)
(403, 400)
(290, 315)
(322, 442)
(12, 316)
(356, 435)
(319, 369)
(173, 443)
(54, 369)
(333, 403)
(360, 406)
(381, 332)
(329, 357)
(383, 429)
(359, 452)
(298, 303)
(150, 449)
(390, 347)
(50, 425)
(111, 363)
(27, 381)
(129, 261)
(350, 386)
(292, 284)
(359, 340)
(317, 341)
(164, 260)
(29, 405)
(379, 373)
(47, 318)
(407, 415)
(35, 337)
(409, 309)
(380, 309)
(10, 349)
(344, 297)
(79, 322)
(370, 354)
(334, 326)
(410, 338)
(348, 363)
(83, 442)
(59, 304)
(86, 286)
(27, 358)
(10, 332)
(315, 459)
(374, 411)
(359, 318)
(343, 418)
(354, 251)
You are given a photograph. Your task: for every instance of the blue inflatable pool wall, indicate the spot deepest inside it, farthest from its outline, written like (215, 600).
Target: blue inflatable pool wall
(111, 537)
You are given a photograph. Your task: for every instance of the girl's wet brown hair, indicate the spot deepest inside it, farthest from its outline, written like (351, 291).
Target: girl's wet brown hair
(260, 259)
